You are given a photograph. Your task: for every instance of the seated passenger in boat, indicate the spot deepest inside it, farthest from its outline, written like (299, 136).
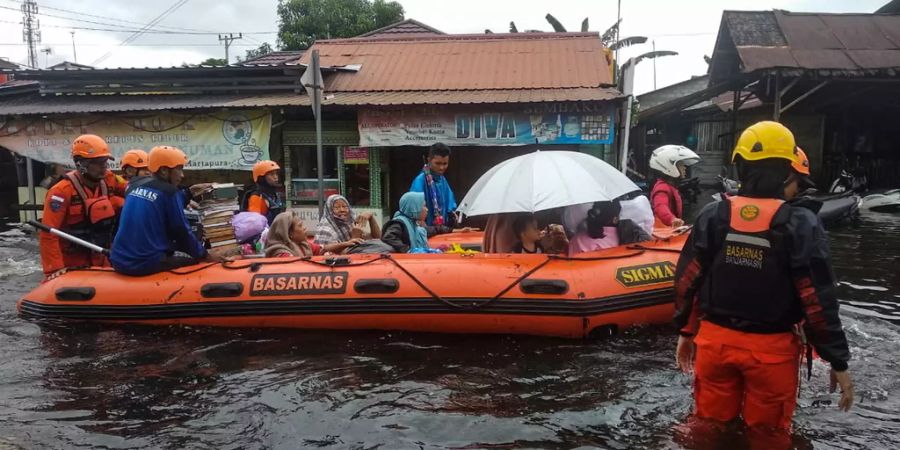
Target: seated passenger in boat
(287, 238)
(525, 228)
(599, 229)
(339, 229)
(153, 229)
(407, 230)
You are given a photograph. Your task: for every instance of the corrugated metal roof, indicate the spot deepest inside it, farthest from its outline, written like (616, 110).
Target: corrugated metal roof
(467, 62)
(845, 44)
(76, 104)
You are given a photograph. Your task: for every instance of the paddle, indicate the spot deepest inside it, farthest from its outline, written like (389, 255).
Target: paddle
(69, 237)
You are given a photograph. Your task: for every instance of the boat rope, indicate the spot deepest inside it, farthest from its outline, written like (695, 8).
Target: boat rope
(653, 249)
(346, 262)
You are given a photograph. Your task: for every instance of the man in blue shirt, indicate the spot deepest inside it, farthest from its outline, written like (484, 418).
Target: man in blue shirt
(153, 226)
(431, 181)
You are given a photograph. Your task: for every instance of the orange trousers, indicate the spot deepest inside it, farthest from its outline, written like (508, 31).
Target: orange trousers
(754, 376)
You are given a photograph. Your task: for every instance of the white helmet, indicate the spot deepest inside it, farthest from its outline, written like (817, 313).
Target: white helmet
(665, 158)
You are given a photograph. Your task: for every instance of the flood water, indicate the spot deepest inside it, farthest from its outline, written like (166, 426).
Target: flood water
(78, 386)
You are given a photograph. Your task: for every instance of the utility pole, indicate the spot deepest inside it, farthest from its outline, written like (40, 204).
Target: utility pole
(31, 31)
(74, 54)
(654, 65)
(228, 39)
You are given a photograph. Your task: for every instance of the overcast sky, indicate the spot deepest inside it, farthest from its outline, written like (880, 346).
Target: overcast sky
(688, 27)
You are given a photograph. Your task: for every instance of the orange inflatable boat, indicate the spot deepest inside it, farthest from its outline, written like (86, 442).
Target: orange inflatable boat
(450, 293)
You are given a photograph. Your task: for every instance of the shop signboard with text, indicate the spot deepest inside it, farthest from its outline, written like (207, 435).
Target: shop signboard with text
(234, 139)
(546, 124)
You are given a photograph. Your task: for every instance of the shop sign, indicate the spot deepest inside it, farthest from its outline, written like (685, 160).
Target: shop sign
(234, 139)
(356, 155)
(546, 124)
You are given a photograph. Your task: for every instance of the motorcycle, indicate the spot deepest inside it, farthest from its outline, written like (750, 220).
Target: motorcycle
(831, 208)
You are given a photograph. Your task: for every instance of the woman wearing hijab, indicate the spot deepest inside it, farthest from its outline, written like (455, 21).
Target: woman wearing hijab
(406, 230)
(287, 238)
(339, 230)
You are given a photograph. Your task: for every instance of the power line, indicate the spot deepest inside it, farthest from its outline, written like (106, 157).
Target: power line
(67, 27)
(157, 19)
(79, 13)
(18, 44)
(127, 30)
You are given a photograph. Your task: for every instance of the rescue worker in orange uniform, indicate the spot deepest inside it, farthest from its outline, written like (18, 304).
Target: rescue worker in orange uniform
(265, 197)
(134, 164)
(81, 204)
(753, 269)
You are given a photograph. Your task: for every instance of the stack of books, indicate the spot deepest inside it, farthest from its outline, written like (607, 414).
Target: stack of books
(218, 205)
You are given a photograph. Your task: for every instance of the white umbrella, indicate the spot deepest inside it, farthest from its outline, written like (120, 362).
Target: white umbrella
(544, 180)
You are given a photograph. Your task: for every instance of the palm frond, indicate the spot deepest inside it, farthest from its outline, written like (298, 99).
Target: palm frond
(557, 26)
(627, 42)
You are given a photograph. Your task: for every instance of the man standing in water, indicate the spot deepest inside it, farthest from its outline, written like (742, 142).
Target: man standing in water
(753, 270)
(431, 181)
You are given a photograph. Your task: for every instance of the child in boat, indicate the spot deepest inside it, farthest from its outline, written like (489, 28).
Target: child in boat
(669, 164)
(287, 238)
(599, 231)
(525, 227)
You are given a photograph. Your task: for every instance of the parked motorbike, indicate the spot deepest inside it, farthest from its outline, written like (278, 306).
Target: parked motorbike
(831, 208)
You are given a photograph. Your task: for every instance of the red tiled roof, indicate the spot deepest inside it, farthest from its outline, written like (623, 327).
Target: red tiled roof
(405, 28)
(275, 58)
(466, 62)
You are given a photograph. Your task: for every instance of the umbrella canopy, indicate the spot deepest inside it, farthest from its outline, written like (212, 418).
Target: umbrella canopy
(544, 180)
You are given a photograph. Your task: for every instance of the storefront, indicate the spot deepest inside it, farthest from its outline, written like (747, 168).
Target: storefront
(221, 145)
(480, 137)
(350, 170)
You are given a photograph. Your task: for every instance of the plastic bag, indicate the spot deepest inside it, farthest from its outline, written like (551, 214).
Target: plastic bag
(248, 225)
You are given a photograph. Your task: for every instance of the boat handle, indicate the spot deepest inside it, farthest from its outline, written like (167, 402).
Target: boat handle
(546, 287)
(377, 286)
(75, 294)
(216, 290)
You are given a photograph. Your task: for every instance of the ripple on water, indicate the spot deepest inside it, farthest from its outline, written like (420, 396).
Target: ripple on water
(76, 385)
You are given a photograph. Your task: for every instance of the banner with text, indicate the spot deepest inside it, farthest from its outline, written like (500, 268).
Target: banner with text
(232, 140)
(543, 124)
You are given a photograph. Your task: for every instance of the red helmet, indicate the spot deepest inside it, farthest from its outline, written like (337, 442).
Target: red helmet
(135, 158)
(261, 168)
(166, 156)
(90, 146)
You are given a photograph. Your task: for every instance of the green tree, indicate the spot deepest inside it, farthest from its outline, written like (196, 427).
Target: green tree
(301, 22)
(214, 62)
(263, 49)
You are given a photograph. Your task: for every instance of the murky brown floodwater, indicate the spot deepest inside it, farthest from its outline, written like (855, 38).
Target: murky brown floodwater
(78, 386)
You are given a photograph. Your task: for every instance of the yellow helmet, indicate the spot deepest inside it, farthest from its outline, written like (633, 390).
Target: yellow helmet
(764, 140)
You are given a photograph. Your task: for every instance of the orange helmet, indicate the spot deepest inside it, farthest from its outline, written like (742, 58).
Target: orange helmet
(166, 156)
(90, 146)
(135, 158)
(801, 166)
(261, 168)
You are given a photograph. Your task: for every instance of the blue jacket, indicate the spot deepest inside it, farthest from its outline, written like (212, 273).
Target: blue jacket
(152, 225)
(445, 196)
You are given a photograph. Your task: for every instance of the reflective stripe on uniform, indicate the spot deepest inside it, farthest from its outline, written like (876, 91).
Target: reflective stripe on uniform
(752, 240)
